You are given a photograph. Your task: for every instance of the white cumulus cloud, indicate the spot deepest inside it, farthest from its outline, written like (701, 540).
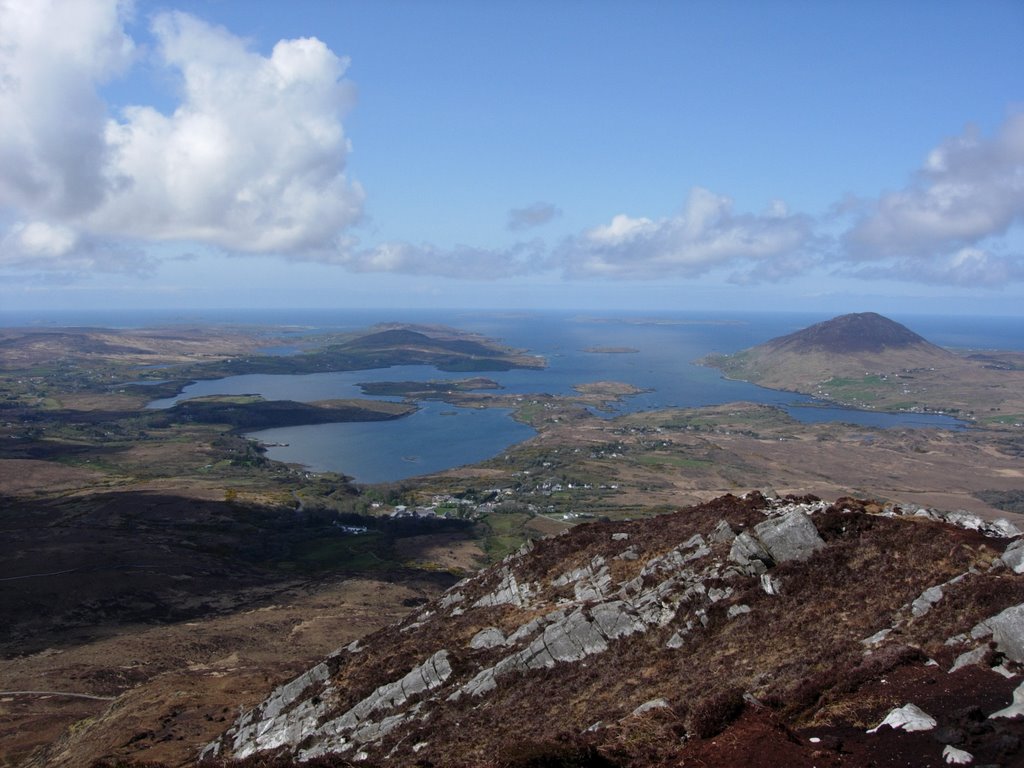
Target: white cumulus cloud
(968, 191)
(252, 158)
(705, 234)
(53, 55)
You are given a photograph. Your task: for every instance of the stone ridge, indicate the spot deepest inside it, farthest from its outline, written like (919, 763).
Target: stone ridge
(858, 332)
(574, 616)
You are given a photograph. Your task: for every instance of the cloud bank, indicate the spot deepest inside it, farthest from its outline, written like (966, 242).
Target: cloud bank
(942, 226)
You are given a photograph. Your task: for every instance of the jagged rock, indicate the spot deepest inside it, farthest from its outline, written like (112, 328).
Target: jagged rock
(770, 584)
(908, 718)
(723, 533)
(954, 756)
(789, 537)
(616, 619)
(489, 637)
(737, 610)
(578, 574)
(716, 594)
(1013, 557)
(481, 683)
(675, 642)
(620, 536)
(265, 729)
(508, 592)
(924, 603)
(750, 554)
(692, 549)
(275, 722)
(452, 598)
(572, 639)
(996, 528)
(1007, 629)
(531, 627)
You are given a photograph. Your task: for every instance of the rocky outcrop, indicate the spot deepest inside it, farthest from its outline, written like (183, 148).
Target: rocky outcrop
(648, 609)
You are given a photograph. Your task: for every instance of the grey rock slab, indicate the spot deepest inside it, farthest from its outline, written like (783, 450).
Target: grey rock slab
(1013, 557)
(488, 637)
(789, 537)
(508, 592)
(750, 554)
(723, 533)
(1008, 632)
(616, 619)
(969, 658)
(737, 610)
(925, 601)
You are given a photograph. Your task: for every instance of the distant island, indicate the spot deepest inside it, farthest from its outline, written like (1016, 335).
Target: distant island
(865, 360)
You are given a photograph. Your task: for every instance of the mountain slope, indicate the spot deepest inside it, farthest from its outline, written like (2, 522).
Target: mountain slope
(854, 333)
(635, 643)
(865, 348)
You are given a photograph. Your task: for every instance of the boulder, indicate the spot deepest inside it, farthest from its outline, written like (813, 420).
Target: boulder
(750, 554)
(907, 718)
(1008, 632)
(954, 756)
(789, 537)
(488, 637)
(1013, 557)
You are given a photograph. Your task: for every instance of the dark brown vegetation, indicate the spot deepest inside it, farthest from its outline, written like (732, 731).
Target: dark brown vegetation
(749, 690)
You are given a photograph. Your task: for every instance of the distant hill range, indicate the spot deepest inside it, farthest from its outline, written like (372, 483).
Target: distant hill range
(854, 345)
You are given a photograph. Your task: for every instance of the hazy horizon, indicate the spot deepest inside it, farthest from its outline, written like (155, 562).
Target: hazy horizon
(193, 156)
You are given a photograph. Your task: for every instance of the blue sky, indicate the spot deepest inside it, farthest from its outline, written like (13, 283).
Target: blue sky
(645, 155)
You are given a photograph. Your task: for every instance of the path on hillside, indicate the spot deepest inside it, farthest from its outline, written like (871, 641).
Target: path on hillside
(58, 693)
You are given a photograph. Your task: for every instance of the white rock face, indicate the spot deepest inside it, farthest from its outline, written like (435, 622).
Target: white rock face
(954, 756)
(1016, 707)
(908, 718)
(489, 637)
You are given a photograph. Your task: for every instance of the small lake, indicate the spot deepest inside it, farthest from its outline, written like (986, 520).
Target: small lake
(439, 436)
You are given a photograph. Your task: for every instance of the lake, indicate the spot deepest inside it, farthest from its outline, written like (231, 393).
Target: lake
(440, 436)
